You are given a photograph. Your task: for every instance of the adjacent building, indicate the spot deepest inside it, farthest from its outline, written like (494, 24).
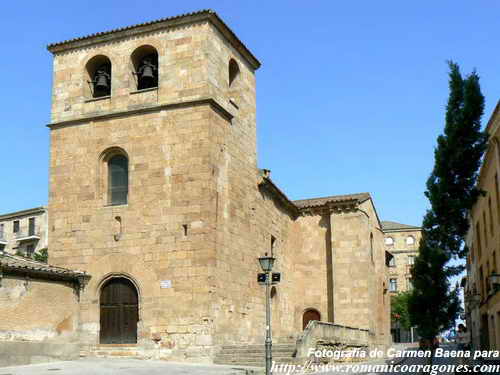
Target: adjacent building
(401, 241)
(482, 297)
(24, 232)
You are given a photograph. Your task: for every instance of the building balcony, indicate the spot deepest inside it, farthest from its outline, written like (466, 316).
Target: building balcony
(28, 235)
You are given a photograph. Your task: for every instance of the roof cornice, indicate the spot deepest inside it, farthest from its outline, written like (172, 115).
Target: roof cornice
(491, 121)
(395, 230)
(212, 103)
(29, 211)
(161, 24)
(266, 182)
(493, 143)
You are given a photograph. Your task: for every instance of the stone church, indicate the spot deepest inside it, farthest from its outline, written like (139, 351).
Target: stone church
(158, 211)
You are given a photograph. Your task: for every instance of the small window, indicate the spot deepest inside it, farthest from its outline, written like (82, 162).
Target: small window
(392, 262)
(409, 284)
(389, 241)
(2, 226)
(371, 249)
(118, 180)
(145, 63)
(31, 226)
(393, 285)
(411, 260)
(234, 71)
(16, 226)
(30, 249)
(99, 76)
(410, 240)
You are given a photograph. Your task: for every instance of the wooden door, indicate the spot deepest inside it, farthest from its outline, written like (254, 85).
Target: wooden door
(119, 312)
(308, 316)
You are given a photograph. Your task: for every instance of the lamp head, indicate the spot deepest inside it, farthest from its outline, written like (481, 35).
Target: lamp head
(266, 263)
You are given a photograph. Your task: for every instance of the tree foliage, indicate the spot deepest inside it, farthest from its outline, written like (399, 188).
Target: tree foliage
(452, 191)
(399, 310)
(42, 256)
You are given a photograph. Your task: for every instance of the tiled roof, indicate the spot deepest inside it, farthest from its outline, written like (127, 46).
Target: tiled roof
(18, 263)
(201, 14)
(390, 225)
(316, 202)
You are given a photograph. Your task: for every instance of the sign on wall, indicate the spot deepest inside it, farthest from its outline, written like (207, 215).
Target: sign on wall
(165, 284)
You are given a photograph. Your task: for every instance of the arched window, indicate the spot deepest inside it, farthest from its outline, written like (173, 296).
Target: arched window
(410, 240)
(117, 180)
(99, 76)
(145, 64)
(389, 241)
(234, 71)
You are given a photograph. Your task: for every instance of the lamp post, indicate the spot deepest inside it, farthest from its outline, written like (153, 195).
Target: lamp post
(495, 281)
(266, 263)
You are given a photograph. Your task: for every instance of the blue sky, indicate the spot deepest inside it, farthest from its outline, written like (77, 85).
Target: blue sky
(350, 97)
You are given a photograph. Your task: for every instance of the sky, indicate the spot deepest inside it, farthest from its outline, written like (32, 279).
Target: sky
(351, 95)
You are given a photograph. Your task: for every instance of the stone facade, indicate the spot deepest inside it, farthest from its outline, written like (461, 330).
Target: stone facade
(24, 232)
(198, 212)
(482, 299)
(401, 242)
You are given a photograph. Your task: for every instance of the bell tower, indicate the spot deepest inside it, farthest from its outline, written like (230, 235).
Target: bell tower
(145, 121)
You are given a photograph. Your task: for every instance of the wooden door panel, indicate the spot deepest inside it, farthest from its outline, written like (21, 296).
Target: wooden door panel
(119, 312)
(129, 333)
(110, 324)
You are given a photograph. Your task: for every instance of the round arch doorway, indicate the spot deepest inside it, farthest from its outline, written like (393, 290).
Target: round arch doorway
(310, 314)
(119, 309)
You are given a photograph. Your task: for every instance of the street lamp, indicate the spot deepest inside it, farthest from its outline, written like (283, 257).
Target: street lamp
(266, 263)
(495, 281)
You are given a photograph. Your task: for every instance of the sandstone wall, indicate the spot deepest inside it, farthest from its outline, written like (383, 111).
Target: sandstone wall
(37, 310)
(182, 73)
(195, 214)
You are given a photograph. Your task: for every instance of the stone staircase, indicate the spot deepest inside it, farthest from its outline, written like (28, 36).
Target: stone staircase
(106, 351)
(254, 355)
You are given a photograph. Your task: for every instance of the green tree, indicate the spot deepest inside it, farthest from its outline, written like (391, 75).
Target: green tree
(399, 310)
(451, 190)
(42, 256)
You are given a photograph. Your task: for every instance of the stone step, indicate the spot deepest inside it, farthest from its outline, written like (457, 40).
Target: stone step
(250, 363)
(260, 350)
(103, 351)
(254, 354)
(251, 358)
(259, 346)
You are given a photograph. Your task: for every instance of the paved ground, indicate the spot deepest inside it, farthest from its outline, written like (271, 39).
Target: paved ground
(118, 366)
(98, 366)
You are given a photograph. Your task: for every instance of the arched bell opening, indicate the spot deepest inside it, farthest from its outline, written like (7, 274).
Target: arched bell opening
(119, 312)
(145, 65)
(99, 76)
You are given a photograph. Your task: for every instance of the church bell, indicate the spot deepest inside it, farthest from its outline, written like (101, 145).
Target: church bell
(101, 80)
(147, 72)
